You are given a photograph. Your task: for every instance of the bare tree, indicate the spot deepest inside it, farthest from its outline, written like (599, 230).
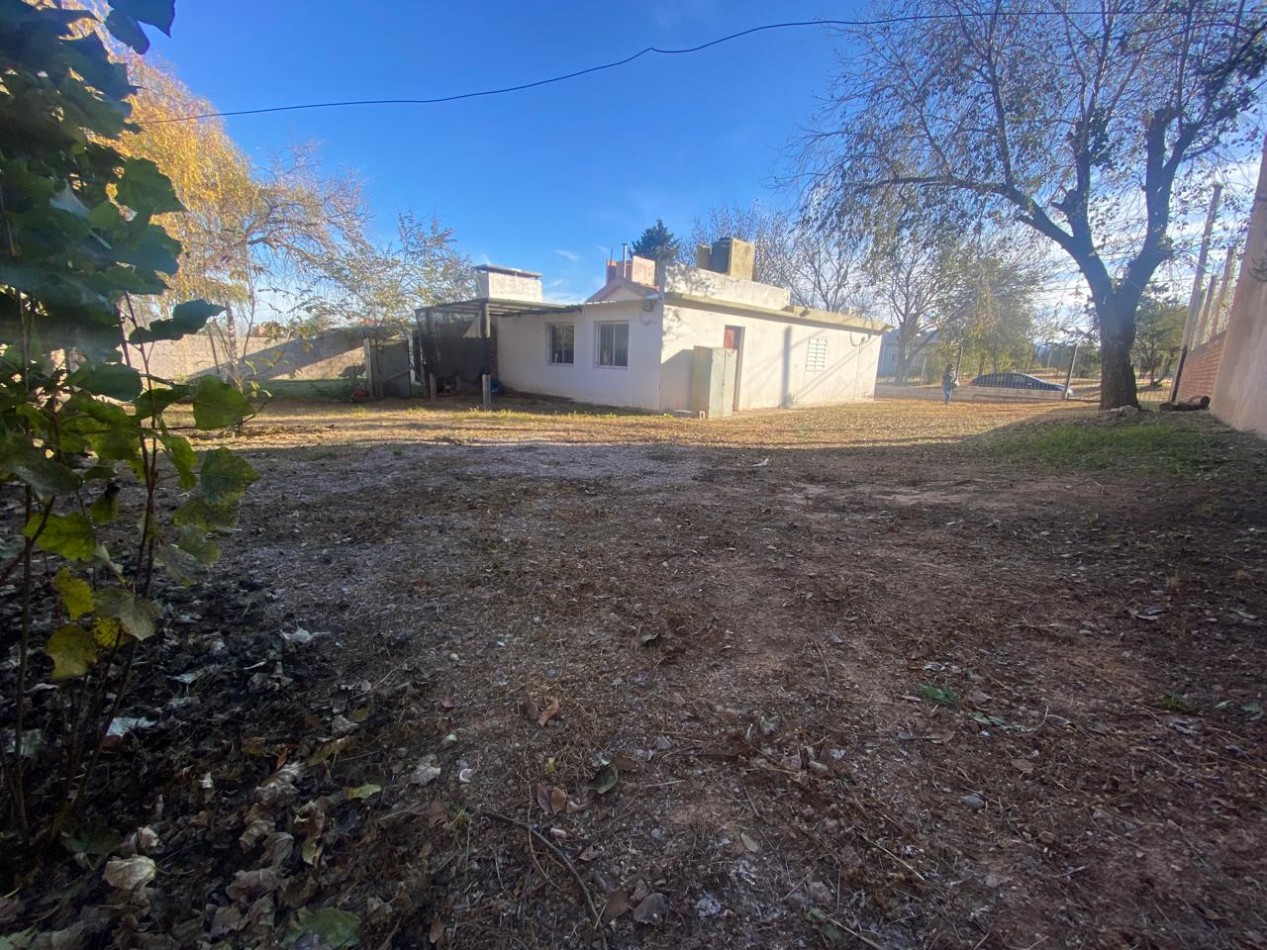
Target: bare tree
(822, 270)
(1082, 120)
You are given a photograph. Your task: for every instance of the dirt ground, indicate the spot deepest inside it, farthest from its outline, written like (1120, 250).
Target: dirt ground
(849, 677)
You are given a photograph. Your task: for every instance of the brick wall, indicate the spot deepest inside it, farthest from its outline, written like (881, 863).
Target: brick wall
(1201, 368)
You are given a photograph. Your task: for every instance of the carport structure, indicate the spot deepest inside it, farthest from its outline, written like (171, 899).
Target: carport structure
(457, 339)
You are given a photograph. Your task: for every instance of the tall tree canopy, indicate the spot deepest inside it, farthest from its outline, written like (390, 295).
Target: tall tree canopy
(1081, 120)
(658, 243)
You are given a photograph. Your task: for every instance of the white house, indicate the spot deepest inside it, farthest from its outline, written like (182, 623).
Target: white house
(706, 339)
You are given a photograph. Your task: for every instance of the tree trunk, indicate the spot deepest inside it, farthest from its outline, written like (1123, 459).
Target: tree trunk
(902, 368)
(1117, 375)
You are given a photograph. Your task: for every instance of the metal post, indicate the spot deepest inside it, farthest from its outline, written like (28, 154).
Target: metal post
(1069, 375)
(1194, 302)
(486, 379)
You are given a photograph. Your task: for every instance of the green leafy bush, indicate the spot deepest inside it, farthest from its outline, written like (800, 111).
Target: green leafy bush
(81, 417)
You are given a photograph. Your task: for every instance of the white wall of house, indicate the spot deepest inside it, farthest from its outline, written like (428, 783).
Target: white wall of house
(781, 362)
(681, 279)
(523, 356)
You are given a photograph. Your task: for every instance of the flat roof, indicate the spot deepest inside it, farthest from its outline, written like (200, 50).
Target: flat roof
(512, 271)
(849, 321)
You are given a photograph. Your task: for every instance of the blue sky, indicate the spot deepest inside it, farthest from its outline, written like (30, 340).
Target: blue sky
(546, 179)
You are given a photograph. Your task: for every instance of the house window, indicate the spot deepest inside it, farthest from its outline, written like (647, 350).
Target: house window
(816, 356)
(613, 344)
(563, 343)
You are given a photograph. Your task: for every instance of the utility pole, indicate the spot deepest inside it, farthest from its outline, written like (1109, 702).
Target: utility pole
(1194, 302)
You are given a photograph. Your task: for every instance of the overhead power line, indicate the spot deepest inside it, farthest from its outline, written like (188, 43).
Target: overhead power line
(504, 90)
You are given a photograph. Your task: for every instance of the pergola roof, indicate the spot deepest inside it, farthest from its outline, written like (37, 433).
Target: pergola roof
(498, 308)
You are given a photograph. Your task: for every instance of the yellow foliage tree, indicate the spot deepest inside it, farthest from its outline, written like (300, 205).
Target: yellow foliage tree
(243, 229)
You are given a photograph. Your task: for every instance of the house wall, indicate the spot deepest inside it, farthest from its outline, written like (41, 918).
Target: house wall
(773, 362)
(1240, 389)
(523, 357)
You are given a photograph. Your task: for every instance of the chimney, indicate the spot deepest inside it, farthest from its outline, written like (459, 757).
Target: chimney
(640, 270)
(733, 257)
(507, 283)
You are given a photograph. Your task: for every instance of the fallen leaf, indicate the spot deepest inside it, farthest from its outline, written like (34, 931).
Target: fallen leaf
(548, 713)
(749, 842)
(651, 910)
(336, 928)
(558, 799)
(1023, 765)
(448, 703)
(589, 854)
(529, 708)
(331, 749)
(436, 813)
(617, 904)
(647, 639)
(128, 874)
(606, 779)
(543, 797)
(437, 931)
(363, 791)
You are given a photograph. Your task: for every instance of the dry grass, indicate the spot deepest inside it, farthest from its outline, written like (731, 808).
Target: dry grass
(284, 424)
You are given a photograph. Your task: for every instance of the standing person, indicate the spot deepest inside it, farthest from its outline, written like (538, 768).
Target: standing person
(949, 382)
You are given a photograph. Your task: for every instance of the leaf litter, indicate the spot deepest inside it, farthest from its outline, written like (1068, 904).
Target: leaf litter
(793, 596)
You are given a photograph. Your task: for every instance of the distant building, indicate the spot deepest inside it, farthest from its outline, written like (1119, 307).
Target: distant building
(701, 339)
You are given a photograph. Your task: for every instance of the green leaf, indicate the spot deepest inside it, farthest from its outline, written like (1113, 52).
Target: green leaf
(183, 458)
(199, 513)
(44, 476)
(126, 30)
(106, 508)
(188, 317)
(115, 380)
(363, 791)
(70, 535)
(105, 216)
(158, 13)
(153, 249)
(224, 476)
(194, 542)
(72, 649)
(940, 696)
(336, 928)
(217, 405)
(135, 614)
(108, 632)
(180, 566)
(145, 189)
(76, 593)
(152, 402)
(606, 780)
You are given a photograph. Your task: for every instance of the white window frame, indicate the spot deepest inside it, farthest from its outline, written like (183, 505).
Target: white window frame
(598, 345)
(550, 330)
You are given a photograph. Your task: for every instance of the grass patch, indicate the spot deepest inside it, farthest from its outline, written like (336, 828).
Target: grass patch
(1154, 444)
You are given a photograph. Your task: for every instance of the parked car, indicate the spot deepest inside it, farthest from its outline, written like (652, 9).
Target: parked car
(1021, 381)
